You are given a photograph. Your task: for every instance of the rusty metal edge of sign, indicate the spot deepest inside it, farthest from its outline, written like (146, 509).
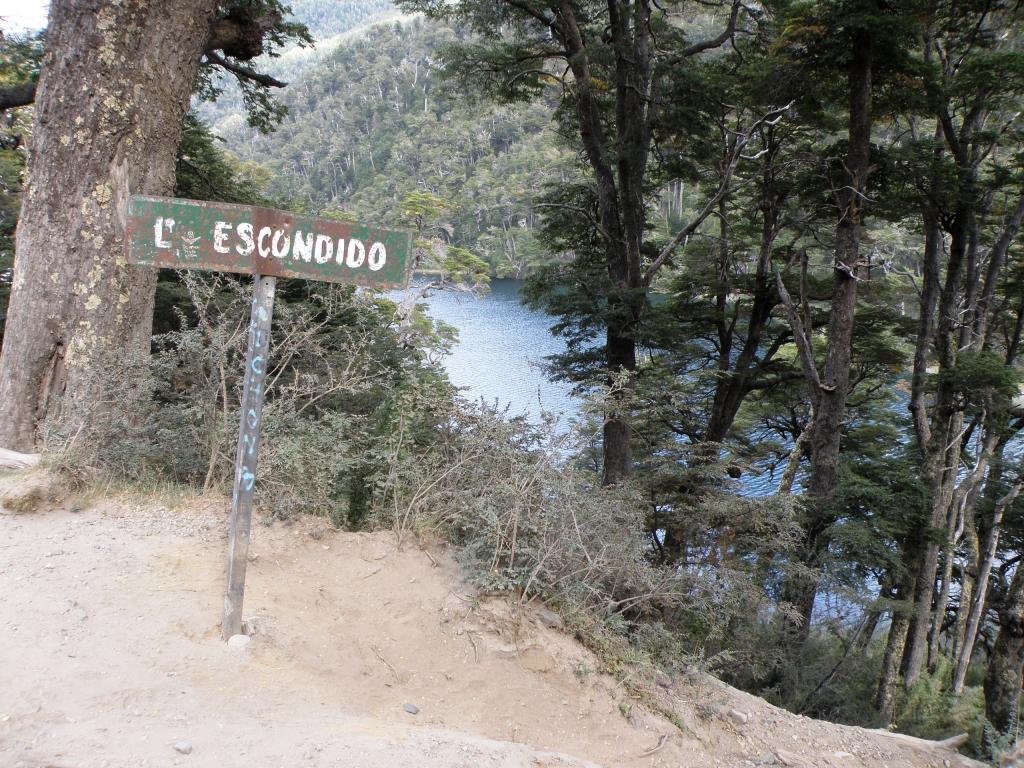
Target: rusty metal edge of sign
(149, 242)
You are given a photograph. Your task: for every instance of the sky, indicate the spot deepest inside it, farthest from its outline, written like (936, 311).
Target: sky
(22, 15)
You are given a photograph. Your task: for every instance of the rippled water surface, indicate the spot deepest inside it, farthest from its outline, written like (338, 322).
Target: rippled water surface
(501, 350)
(500, 356)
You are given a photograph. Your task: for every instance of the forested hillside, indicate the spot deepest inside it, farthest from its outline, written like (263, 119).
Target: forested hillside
(373, 122)
(327, 20)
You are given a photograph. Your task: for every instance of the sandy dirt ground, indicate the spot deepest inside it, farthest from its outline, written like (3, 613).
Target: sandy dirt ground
(110, 656)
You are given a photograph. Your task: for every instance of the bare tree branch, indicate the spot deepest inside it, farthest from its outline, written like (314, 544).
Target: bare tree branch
(715, 42)
(802, 344)
(529, 10)
(248, 74)
(20, 95)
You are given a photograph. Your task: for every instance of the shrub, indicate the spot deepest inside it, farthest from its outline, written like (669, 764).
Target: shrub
(337, 368)
(528, 520)
(929, 710)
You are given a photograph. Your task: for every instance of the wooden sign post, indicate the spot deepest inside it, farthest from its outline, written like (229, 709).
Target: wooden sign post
(267, 244)
(248, 449)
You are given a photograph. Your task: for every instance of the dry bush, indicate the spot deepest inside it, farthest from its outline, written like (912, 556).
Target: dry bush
(361, 429)
(335, 368)
(529, 520)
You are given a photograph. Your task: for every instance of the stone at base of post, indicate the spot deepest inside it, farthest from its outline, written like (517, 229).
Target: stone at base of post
(248, 450)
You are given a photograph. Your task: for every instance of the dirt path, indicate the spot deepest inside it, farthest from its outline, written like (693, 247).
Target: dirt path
(110, 656)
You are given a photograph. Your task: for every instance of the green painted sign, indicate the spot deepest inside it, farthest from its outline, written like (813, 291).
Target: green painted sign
(194, 234)
(268, 244)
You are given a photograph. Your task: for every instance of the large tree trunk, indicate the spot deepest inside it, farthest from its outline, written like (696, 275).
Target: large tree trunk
(620, 193)
(630, 26)
(617, 434)
(885, 700)
(115, 84)
(1005, 673)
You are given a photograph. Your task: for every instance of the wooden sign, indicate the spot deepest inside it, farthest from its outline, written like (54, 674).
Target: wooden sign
(193, 234)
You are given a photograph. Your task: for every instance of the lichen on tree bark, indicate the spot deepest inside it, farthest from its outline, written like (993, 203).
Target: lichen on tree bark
(115, 85)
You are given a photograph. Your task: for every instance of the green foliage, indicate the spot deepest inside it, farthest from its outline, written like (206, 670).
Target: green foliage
(267, 20)
(819, 37)
(878, 501)
(20, 57)
(999, 746)
(373, 123)
(333, 390)
(206, 171)
(451, 266)
(464, 268)
(930, 711)
(422, 209)
(835, 679)
(982, 381)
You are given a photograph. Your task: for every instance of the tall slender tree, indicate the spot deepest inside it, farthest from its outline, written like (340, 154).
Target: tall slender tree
(856, 25)
(611, 60)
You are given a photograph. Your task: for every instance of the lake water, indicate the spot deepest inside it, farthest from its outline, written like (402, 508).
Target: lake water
(501, 349)
(500, 357)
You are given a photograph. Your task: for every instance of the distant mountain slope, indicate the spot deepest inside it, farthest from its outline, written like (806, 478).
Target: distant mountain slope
(329, 23)
(371, 122)
(334, 17)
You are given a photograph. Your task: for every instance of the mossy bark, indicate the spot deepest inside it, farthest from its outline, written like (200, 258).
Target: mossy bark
(1005, 673)
(115, 85)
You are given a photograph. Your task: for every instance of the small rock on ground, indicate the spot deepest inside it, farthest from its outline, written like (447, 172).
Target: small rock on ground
(183, 747)
(550, 619)
(238, 641)
(740, 718)
(412, 709)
